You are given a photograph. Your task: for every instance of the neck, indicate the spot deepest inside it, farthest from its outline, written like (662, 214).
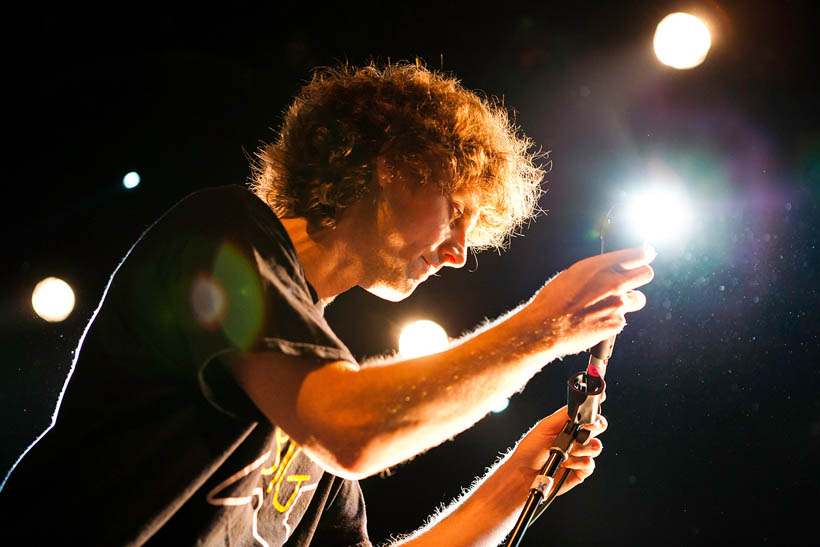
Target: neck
(329, 264)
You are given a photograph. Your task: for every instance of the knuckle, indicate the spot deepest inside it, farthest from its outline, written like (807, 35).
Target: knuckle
(616, 321)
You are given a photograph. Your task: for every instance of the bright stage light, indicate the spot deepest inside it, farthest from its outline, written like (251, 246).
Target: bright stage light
(422, 338)
(682, 41)
(131, 180)
(52, 299)
(659, 213)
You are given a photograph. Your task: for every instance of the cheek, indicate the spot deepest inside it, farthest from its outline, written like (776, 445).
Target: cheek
(426, 236)
(419, 222)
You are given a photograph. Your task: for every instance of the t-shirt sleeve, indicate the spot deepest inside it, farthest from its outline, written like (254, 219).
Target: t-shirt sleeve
(218, 274)
(344, 521)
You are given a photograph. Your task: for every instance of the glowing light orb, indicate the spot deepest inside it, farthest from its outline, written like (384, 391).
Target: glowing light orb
(682, 41)
(131, 180)
(52, 299)
(659, 214)
(422, 338)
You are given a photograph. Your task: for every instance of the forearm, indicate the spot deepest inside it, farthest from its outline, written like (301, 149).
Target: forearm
(485, 516)
(378, 416)
(355, 421)
(482, 517)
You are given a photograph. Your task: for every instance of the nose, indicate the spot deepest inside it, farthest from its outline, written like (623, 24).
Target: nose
(453, 252)
(454, 259)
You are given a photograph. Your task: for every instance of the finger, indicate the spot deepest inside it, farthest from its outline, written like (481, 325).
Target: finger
(622, 303)
(579, 463)
(626, 259)
(549, 427)
(557, 418)
(608, 316)
(639, 257)
(580, 466)
(617, 283)
(591, 448)
(596, 428)
(580, 470)
(606, 305)
(634, 301)
(639, 276)
(626, 280)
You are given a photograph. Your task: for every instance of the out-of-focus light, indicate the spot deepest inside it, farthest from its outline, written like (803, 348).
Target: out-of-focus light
(682, 41)
(131, 180)
(208, 301)
(422, 338)
(659, 213)
(501, 405)
(52, 299)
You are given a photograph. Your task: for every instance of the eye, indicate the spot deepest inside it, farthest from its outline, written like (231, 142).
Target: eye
(457, 211)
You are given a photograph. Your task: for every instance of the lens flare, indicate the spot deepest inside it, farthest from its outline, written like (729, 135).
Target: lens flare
(208, 301)
(238, 296)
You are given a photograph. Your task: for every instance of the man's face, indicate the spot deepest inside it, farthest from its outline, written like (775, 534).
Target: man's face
(416, 231)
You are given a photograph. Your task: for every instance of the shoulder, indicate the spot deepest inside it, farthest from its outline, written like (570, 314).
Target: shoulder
(222, 201)
(231, 211)
(217, 227)
(234, 222)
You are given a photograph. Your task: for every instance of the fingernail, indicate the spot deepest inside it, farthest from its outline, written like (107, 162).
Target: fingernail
(649, 251)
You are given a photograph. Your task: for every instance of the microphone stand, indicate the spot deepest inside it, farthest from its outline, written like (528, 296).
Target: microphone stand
(584, 393)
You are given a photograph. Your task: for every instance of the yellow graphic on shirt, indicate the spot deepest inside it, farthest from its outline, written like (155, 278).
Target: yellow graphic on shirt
(279, 469)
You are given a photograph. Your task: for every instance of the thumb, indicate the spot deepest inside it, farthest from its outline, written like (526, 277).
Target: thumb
(552, 424)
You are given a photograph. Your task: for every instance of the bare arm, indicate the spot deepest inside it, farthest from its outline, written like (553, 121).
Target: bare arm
(355, 421)
(484, 516)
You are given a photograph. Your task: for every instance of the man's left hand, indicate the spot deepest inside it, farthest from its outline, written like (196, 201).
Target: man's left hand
(532, 451)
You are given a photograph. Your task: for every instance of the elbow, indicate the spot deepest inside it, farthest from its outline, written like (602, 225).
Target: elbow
(343, 430)
(345, 451)
(320, 409)
(346, 445)
(357, 464)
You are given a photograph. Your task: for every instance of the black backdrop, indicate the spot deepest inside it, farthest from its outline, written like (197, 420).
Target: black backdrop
(714, 427)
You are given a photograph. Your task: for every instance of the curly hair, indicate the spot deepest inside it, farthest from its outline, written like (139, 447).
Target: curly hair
(424, 124)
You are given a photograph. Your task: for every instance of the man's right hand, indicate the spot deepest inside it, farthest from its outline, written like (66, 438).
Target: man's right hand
(588, 302)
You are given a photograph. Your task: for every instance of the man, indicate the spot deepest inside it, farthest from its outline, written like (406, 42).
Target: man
(211, 404)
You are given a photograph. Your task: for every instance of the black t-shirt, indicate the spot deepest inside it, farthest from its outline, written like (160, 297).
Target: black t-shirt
(154, 441)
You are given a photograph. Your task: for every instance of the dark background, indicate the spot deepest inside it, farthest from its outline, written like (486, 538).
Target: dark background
(714, 424)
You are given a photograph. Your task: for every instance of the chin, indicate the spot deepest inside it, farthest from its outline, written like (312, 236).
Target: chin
(393, 293)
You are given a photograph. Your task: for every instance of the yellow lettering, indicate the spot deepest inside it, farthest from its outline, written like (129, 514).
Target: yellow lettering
(293, 450)
(280, 467)
(281, 438)
(298, 479)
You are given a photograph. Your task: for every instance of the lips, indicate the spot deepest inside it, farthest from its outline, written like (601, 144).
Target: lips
(429, 269)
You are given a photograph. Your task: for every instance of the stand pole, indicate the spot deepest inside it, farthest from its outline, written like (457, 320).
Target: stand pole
(584, 393)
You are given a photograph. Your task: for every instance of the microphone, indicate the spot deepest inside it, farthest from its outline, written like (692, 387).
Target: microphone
(599, 355)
